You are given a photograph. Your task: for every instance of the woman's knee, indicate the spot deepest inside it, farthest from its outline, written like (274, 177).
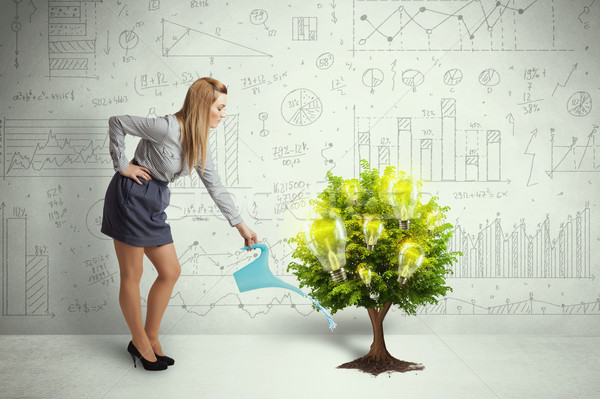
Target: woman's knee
(170, 273)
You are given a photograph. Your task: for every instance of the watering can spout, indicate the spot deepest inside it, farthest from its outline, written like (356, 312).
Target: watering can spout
(257, 275)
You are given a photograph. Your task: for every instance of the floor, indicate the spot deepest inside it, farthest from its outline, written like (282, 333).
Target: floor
(300, 366)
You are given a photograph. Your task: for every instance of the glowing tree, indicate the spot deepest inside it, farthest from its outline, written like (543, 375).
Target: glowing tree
(395, 253)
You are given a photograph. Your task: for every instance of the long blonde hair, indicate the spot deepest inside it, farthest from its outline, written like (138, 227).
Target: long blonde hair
(194, 119)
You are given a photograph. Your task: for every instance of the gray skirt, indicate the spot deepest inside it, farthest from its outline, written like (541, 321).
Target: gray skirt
(135, 214)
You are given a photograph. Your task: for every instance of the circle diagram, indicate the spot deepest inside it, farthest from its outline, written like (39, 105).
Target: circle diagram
(489, 77)
(579, 104)
(128, 39)
(325, 60)
(372, 77)
(258, 16)
(301, 107)
(452, 77)
(412, 78)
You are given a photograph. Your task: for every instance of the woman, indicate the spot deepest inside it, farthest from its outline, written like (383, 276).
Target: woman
(138, 194)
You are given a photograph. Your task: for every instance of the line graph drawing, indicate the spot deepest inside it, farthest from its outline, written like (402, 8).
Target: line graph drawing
(575, 157)
(56, 147)
(72, 38)
(461, 25)
(183, 41)
(25, 277)
(491, 253)
(563, 85)
(430, 147)
(215, 271)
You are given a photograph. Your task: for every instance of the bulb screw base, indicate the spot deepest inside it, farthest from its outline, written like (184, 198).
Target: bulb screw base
(370, 247)
(405, 224)
(338, 275)
(402, 280)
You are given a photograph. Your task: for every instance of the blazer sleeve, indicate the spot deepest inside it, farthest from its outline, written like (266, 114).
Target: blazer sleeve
(153, 129)
(217, 191)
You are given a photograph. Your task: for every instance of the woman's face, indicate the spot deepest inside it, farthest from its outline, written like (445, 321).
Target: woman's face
(217, 110)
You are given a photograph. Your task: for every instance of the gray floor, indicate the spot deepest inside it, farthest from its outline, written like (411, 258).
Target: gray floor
(300, 366)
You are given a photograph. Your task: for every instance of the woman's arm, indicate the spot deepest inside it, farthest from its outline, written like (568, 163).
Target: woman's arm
(153, 129)
(217, 191)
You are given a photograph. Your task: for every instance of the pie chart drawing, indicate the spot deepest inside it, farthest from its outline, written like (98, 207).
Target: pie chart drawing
(301, 107)
(452, 77)
(372, 77)
(413, 78)
(580, 103)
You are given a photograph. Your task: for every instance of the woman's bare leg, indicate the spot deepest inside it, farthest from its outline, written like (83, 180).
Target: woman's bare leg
(131, 267)
(164, 259)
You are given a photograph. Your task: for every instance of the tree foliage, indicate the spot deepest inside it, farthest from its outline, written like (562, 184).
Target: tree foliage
(423, 287)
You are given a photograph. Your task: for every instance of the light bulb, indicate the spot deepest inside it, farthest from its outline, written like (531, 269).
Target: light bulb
(352, 190)
(409, 260)
(403, 195)
(366, 275)
(372, 229)
(434, 220)
(326, 238)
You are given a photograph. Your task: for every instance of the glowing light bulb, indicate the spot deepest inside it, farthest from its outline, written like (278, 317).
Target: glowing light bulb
(372, 229)
(403, 195)
(326, 238)
(352, 190)
(366, 275)
(409, 260)
(434, 219)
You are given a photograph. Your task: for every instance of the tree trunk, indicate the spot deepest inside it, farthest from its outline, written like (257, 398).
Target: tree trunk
(379, 360)
(378, 352)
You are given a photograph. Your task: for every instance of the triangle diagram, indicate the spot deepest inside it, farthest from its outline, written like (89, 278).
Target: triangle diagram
(182, 41)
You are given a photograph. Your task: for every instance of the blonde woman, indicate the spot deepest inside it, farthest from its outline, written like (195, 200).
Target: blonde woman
(138, 194)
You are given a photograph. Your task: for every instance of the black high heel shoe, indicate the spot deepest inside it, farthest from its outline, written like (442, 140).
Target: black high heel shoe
(148, 365)
(166, 359)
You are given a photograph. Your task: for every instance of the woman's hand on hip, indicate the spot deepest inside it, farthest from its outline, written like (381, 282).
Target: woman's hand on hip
(249, 236)
(135, 171)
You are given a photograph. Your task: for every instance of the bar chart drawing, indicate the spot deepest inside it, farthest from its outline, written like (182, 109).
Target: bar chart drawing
(56, 147)
(72, 38)
(25, 278)
(491, 253)
(430, 148)
(527, 305)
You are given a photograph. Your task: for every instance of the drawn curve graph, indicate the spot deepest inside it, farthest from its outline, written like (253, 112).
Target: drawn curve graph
(56, 147)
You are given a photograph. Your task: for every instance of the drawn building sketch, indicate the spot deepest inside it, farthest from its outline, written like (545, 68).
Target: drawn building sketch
(72, 36)
(436, 151)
